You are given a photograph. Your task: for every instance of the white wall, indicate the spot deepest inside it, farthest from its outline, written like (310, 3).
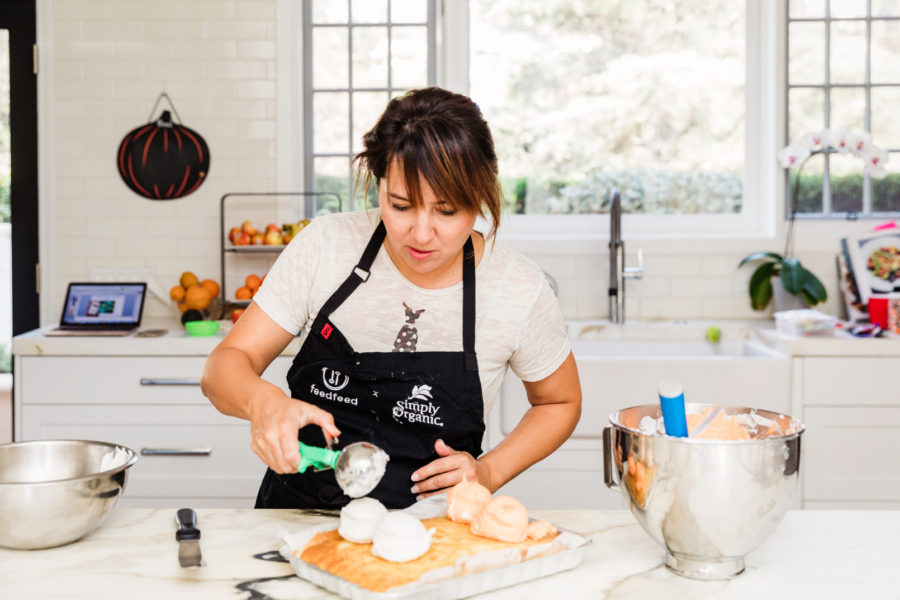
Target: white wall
(109, 61)
(103, 64)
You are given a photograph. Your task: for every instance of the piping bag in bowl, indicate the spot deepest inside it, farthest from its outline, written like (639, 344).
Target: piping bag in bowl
(357, 468)
(671, 401)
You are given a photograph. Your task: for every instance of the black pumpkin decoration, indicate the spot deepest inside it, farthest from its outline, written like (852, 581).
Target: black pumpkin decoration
(163, 160)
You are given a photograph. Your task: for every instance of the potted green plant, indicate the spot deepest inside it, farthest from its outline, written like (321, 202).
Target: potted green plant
(784, 270)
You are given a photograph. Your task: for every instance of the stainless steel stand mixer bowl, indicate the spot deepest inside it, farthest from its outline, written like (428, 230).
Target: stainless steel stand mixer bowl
(707, 502)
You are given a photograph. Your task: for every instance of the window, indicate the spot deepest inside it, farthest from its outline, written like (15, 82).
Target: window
(646, 97)
(666, 105)
(844, 72)
(358, 55)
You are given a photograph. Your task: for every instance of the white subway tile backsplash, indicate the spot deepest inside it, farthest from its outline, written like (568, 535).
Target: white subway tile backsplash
(148, 247)
(173, 30)
(256, 49)
(65, 69)
(256, 89)
(111, 61)
(732, 307)
(238, 69)
(233, 30)
(648, 287)
(205, 9)
(85, 89)
(701, 287)
(83, 10)
(167, 69)
(256, 9)
(671, 308)
(209, 49)
(656, 265)
(113, 29)
(87, 247)
(157, 11)
(719, 266)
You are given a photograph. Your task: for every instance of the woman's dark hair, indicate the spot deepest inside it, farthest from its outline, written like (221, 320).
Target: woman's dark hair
(443, 137)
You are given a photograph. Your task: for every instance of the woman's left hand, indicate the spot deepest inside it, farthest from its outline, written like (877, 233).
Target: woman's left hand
(447, 471)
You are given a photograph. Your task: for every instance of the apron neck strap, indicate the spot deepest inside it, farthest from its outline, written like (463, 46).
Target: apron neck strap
(469, 305)
(360, 272)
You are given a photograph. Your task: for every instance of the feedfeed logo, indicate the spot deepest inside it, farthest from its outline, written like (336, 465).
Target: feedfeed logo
(334, 381)
(417, 408)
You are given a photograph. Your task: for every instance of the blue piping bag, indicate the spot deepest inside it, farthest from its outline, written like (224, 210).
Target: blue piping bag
(671, 400)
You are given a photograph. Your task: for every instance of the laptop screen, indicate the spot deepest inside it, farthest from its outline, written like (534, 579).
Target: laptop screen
(104, 304)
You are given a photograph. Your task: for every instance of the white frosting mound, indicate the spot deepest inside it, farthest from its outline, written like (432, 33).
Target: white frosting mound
(400, 537)
(358, 519)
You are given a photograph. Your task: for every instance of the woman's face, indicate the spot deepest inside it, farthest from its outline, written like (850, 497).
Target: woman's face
(425, 243)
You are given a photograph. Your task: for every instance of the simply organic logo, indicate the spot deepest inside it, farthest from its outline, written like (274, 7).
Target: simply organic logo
(417, 408)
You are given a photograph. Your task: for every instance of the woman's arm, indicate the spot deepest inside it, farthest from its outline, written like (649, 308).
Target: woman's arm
(555, 410)
(231, 380)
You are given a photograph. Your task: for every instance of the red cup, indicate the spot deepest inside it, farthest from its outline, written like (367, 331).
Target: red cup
(878, 311)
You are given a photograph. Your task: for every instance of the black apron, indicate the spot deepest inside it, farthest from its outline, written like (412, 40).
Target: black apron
(400, 401)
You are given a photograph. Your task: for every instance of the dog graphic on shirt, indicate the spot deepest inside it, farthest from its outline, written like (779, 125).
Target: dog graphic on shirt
(408, 335)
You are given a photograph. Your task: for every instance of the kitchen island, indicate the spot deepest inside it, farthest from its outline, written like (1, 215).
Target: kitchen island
(133, 554)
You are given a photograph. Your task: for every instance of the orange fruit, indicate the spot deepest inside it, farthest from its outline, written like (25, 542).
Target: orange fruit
(197, 297)
(253, 282)
(182, 306)
(211, 286)
(177, 293)
(188, 280)
(243, 293)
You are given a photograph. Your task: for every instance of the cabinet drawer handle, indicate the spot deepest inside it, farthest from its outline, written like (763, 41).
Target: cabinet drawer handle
(176, 451)
(148, 381)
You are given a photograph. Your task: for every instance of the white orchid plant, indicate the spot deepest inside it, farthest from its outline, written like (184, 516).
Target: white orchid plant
(841, 141)
(795, 278)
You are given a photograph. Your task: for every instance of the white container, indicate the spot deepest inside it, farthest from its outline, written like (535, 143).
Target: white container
(804, 322)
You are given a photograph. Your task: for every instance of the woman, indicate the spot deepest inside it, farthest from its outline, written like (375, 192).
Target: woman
(399, 348)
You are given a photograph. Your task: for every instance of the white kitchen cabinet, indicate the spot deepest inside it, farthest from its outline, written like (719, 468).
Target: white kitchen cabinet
(851, 408)
(189, 453)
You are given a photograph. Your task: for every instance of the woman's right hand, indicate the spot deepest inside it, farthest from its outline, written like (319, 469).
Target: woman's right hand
(274, 421)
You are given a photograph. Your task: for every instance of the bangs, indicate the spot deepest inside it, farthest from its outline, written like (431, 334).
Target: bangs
(455, 183)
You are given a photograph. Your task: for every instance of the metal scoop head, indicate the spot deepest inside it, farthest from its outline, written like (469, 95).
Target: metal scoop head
(357, 468)
(360, 467)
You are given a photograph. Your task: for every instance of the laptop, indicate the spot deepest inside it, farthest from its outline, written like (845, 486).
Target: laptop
(103, 309)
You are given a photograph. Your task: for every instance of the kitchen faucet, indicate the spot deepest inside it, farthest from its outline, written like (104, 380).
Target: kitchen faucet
(618, 272)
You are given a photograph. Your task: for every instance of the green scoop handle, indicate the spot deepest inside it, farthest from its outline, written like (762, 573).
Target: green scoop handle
(318, 458)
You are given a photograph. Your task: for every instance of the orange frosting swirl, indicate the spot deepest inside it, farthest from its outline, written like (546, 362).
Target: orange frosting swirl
(504, 518)
(465, 500)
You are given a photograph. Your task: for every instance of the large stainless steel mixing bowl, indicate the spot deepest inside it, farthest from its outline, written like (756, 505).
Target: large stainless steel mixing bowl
(53, 492)
(707, 502)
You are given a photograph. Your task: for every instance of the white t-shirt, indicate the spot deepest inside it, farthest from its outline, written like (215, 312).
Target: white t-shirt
(518, 320)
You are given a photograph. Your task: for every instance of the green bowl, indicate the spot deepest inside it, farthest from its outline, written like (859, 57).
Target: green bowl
(201, 328)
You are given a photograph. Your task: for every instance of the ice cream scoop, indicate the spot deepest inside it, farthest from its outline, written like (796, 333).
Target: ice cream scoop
(504, 518)
(359, 518)
(465, 500)
(357, 468)
(400, 537)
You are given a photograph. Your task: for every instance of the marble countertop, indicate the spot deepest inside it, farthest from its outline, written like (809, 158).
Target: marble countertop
(840, 343)
(133, 554)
